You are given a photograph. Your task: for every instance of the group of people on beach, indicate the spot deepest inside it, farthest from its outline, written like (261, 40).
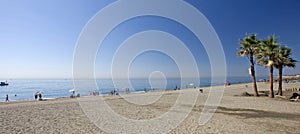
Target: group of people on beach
(114, 92)
(227, 83)
(147, 90)
(73, 95)
(95, 92)
(38, 95)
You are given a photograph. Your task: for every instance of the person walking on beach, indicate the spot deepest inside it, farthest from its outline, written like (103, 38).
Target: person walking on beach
(6, 100)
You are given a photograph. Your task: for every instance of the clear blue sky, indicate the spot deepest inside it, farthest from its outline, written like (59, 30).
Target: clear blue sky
(38, 37)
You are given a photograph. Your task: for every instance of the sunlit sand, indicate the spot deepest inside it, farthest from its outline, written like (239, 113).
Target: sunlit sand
(236, 114)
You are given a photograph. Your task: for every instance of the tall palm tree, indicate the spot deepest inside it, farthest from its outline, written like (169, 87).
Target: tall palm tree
(267, 57)
(283, 59)
(248, 48)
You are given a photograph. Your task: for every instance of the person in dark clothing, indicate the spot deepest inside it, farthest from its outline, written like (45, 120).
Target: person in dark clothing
(35, 96)
(40, 96)
(7, 98)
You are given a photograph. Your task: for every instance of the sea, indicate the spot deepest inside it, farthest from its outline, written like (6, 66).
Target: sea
(24, 89)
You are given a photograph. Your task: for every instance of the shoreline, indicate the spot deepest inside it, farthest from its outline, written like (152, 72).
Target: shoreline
(123, 92)
(55, 88)
(249, 84)
(136, 92)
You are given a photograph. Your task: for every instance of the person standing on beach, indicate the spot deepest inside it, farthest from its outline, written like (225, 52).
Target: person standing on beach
(35, 96)
(7, 98)
(40, 96)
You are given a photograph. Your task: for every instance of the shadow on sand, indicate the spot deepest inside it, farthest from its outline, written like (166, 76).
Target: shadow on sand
(253, 113)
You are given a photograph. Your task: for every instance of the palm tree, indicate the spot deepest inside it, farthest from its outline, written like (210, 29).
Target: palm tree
(249, 46)
(283, 59)
(267, 57)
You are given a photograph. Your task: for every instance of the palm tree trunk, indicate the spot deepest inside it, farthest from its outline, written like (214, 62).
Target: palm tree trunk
(253, 77)
(271, 82)
(280, 81)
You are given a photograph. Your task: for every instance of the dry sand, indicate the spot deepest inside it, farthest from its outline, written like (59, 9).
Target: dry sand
(235, 114)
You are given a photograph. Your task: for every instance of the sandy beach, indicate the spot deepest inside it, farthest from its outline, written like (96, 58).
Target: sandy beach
(235, 114)
(149, 67)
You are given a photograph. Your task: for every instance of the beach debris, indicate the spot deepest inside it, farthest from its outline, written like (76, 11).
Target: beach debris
(264, 93)
(201, 90)
(246, 94)
(295, 97)
(279, 96)
(292, 89)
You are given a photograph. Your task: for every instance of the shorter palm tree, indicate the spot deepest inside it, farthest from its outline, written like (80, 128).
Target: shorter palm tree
(283, 59)
(267, 57)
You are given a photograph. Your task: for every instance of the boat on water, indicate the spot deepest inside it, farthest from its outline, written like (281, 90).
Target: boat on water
(3, 84)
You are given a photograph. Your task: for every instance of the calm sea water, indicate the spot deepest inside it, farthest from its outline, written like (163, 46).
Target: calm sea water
(24, 89)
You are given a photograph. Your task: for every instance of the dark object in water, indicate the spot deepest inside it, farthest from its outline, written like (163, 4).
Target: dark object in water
(3, 84)
(294, 96)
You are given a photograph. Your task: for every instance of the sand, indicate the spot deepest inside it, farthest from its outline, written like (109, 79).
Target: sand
(235, 114)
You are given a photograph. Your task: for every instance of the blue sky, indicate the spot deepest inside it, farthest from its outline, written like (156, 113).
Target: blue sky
(38, 37)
